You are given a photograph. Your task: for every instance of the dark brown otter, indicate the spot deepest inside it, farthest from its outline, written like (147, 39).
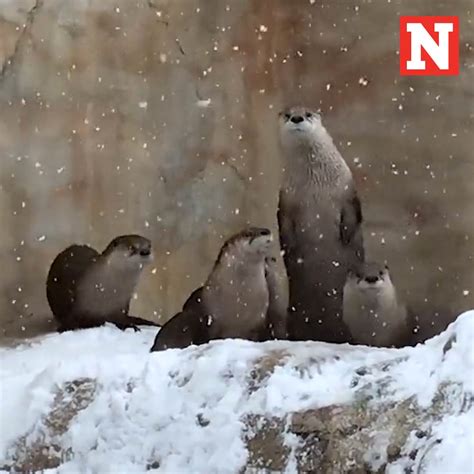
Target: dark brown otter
(235, 301)
(319, 221)
(87, 289)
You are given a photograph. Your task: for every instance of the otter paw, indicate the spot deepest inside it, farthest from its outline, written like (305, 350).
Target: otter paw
(124, 326)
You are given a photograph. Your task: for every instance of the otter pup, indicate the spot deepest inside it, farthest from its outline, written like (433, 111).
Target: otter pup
(319, 219)
(87, 289)
(372, 310)
(235, 300)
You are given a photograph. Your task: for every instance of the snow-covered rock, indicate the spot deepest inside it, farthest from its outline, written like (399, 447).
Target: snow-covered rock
(98, 401)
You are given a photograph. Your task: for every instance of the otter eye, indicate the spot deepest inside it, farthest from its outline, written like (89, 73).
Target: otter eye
(358, 275)
(381, 273)
(287, 117)
(309, 115)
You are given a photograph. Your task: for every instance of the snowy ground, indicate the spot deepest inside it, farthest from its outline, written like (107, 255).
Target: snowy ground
(147, 405)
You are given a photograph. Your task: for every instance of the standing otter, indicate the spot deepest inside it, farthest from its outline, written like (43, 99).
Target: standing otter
(372, 310)
(319, 219)
(87, 289)
(277, 306)
(235, 300)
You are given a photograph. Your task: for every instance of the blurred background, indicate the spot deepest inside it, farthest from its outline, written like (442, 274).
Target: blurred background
(160, 117)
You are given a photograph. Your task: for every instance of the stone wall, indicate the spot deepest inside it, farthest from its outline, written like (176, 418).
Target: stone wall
(159, 117)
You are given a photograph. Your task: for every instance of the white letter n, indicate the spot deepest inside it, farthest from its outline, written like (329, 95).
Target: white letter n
(439, 52)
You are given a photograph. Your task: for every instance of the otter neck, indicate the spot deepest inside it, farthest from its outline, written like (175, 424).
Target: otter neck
(314, 161)
(236, 275)
(382, 300)
(236, 264)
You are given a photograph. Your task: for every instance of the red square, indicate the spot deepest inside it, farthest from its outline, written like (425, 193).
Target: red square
(429, 45)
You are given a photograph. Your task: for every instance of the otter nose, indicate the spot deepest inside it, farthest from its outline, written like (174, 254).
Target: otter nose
(371, 279)
(297, 119)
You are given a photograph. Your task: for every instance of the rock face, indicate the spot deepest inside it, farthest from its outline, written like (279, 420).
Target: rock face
(367, 437)
(159, 117)
(235, 406)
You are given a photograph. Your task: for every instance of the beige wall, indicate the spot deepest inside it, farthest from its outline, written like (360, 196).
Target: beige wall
(101, 134)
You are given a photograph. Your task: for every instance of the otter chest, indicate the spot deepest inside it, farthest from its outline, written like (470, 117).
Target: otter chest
(103, 292)
(237, 308)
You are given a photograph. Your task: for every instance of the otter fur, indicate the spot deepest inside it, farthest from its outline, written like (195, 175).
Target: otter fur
(319, 219)
(86, 288)
(235, 301)
(372, 309)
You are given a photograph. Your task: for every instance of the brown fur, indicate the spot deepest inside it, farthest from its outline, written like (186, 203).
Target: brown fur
(373, 311)
(319, 220)
(87, 289)
(277, 306)
(234, 301)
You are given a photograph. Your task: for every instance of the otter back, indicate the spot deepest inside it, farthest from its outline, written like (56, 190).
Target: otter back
(65, 273)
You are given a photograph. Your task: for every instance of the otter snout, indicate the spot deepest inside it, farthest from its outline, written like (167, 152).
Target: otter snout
(371, 279)
(297, 119)
(142, 249)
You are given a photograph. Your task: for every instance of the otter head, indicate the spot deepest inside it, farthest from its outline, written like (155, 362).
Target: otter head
(251, 245)
(128, 251)
(299, 125)
(370, 277)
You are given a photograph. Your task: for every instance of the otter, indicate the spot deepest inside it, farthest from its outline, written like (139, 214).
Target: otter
(372, 310)
(235, 302)
(277, 305)
(86, 288)
(319, 217)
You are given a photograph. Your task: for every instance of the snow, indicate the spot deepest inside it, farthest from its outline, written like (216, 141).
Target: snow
(185, 407)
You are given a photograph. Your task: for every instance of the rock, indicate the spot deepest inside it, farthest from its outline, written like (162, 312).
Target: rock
(341, 439)
(42, 449)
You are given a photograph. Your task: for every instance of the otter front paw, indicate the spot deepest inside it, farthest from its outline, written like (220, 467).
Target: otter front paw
(124, 326)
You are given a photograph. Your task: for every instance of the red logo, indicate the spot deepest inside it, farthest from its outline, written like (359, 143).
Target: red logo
(429, 45)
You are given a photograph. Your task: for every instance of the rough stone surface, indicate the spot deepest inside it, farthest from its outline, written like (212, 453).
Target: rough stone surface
(363, 437)
(159, 117)
(42, 448)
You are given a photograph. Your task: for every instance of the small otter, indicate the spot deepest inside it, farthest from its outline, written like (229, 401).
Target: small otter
(235, 300)
(372, 310)
(87, 289)
(319, 218)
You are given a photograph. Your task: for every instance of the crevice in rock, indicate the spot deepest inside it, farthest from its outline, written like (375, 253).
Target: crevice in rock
(10, 61)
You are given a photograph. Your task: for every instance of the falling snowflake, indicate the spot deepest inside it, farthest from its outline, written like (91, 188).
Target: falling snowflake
(203, 103)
